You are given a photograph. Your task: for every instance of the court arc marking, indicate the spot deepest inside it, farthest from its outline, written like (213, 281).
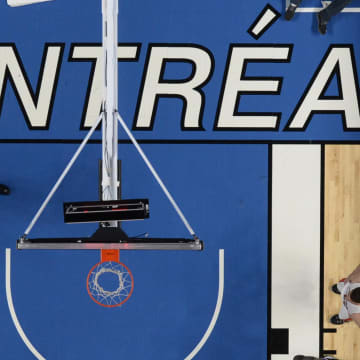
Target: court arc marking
(215, 317)
(12, 309)
(32, 349)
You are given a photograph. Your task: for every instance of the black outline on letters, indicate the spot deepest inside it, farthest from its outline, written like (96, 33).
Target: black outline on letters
(329, 112)
(244, 77)
(182, 81)
(34, 96)
(93, 62)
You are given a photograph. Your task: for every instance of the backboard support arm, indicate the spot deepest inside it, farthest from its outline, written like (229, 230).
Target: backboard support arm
(61, 178)
(109, 117)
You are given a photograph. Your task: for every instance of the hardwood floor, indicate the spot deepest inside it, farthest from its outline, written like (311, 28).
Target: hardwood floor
(342, 240)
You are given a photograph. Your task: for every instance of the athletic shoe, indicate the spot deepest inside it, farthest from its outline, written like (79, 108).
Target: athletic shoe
(337, 321)
(322, 24)
(290, 11)
(335, 289)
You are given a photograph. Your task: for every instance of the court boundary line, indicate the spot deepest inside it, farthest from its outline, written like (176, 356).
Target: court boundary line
(186, 141)
(215, 316)
(318, 9)
(322, 250)
(9, 299)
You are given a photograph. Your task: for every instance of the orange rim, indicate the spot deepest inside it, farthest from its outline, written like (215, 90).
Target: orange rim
(105, 305)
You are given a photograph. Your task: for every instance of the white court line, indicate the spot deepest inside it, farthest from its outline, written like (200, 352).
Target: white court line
(189, 357)
(296, 238)
(12, 310)
(317, 9)
(217, 308)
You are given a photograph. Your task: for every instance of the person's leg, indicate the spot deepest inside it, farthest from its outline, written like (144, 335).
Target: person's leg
(334, 8)
(342, 317)
(343, 314)
(290, 11)
(340, 285)
(325, 15)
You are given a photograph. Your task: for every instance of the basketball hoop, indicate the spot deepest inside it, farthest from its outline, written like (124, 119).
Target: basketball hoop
(110, 283)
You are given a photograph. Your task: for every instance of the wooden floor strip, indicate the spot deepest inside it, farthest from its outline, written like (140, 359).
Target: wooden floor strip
(342, 240)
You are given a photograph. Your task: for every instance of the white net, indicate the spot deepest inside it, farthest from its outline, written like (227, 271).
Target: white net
(110, 283)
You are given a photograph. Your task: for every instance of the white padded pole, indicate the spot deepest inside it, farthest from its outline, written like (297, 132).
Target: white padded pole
(110, 95)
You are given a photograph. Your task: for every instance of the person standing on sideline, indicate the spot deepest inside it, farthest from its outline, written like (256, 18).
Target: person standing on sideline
(323, 16)
(349, 289)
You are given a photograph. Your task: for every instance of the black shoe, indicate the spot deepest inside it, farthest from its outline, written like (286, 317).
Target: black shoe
(4, 190)
(290, 11)
(322, 24)
(335, 289)
(337, 321)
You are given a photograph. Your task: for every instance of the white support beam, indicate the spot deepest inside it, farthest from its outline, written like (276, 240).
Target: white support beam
(110, 95)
